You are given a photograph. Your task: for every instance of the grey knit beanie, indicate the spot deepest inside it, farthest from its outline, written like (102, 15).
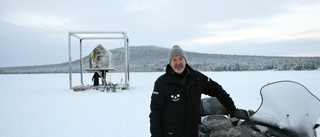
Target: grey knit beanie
(176, 51)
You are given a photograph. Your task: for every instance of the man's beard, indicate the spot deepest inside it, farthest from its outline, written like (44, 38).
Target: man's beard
(178, 71)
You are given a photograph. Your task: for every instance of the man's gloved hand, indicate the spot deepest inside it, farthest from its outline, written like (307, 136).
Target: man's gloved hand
(233, 119)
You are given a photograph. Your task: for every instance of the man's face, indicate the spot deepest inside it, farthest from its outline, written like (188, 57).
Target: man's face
(178, 63)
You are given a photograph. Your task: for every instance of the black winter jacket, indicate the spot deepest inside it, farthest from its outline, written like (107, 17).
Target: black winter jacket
(175, 109)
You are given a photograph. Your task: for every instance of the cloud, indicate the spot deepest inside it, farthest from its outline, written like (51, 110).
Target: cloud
(38, 21)
(294, 25)
(206, 26)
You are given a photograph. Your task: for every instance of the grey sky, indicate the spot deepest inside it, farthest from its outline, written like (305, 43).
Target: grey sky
(35, 32)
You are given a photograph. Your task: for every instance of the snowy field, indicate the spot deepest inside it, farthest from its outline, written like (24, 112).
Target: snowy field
(42, 105)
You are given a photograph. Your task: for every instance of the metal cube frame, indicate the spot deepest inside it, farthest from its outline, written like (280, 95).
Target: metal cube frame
(99, 36)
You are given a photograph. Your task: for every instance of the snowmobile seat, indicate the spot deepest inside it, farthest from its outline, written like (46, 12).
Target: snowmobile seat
(217, 126)
(212, 106)
(214, 121)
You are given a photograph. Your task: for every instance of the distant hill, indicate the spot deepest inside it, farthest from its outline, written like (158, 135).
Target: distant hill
(153, 59)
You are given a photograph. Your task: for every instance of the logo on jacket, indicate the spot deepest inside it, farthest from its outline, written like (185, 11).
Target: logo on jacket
(175, 97)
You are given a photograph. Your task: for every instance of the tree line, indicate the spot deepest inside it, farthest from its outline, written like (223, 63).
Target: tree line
(155, 59)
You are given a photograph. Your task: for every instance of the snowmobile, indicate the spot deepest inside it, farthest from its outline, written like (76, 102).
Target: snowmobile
(287, 109)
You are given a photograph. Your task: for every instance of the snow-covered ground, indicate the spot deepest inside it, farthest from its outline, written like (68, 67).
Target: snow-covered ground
(42, 105)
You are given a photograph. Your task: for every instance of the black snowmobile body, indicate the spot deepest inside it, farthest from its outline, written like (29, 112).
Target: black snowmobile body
(288, 109)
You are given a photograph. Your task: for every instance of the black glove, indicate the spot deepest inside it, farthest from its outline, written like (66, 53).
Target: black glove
(233, 120)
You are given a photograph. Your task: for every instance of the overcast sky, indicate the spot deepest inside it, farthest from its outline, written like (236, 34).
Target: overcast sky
(35, 32)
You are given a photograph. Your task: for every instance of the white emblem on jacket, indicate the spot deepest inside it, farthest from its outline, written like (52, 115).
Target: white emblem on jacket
(175, 97)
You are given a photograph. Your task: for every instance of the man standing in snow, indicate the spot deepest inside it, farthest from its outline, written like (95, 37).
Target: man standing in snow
(95, 79)
(175, 101)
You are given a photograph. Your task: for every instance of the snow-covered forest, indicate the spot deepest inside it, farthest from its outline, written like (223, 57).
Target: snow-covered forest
(154, 59)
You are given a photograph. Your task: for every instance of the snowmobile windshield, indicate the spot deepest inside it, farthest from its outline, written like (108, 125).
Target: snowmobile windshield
(288, 105)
